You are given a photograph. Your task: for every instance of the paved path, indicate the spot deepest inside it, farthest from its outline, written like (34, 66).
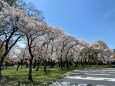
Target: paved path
(89, 77)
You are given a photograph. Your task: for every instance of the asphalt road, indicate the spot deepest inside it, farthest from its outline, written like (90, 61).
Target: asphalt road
(88, 77)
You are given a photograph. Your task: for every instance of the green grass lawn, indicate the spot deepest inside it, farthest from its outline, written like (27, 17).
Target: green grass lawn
(20, 77)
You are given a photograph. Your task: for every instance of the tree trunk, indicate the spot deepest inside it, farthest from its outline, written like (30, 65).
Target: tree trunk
(51, 63)
(45, 65)
(30, 71)
(0, 70)
(67, 64)
(1, 62)
(37, 67)
(61, 63)
(17, 68)
(21, 66)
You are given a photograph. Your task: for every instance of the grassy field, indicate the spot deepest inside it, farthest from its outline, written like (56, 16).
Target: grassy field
(20, 77)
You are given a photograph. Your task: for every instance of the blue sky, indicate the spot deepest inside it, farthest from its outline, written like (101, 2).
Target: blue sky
(89, 20)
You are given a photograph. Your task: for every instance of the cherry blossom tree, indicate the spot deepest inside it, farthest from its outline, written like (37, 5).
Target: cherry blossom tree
(64, 45)
(10, 2)
(51, 36)
(15, 23)
(104, 51)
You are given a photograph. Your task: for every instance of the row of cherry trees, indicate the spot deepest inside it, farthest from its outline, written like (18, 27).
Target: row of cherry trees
(45, 45)
(17, 23)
